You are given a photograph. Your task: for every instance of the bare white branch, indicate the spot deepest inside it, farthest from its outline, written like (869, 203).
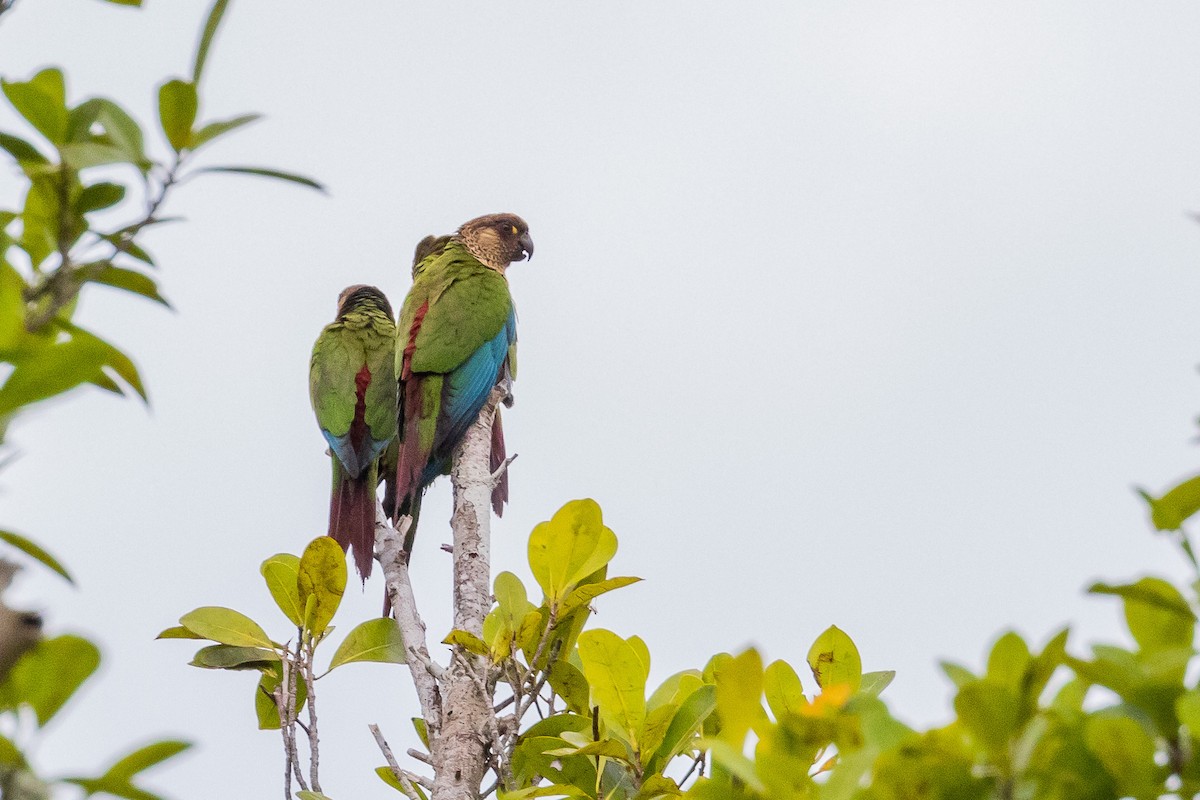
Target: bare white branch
(389, 550)
(460, 756)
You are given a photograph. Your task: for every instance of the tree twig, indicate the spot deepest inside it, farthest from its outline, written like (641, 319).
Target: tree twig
(405, 777)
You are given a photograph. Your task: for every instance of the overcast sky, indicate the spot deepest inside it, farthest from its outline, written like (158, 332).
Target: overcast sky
(863, 313)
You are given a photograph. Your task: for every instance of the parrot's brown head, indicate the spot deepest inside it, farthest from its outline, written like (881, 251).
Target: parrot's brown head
(355, 297)
(497, 239)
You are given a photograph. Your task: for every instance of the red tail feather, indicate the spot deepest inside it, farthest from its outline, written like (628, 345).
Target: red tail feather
(500, 493)
(352, 520)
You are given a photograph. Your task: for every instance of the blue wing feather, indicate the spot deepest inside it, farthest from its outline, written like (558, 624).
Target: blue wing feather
(465, 391)
(353, 461)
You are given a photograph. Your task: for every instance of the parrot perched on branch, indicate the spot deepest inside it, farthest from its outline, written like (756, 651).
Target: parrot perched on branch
(352, 382)
(457, 340)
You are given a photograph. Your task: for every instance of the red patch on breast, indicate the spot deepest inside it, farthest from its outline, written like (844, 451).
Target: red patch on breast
(358, 427)
(410, 345)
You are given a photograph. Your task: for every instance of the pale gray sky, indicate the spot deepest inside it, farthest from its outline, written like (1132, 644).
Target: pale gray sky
(865, 313)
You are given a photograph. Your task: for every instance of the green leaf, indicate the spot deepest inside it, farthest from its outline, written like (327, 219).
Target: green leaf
(686, 723)
(206, 38)
(110, 357)
(552, 790)
(467, 641)
(281, 572)
(1009, 661)
(226, 626)
(223, 656)
(42, 101)
(1156, 613)
(178, 632)
(422, 730)
(98, 196)
(1126, 751)
(25, 153)
(1187, 708)
(374, 640)
(739, 696)
(387, 776)
(990, 711)
(511, 598)
(572, 545)
(585, 594)
(307, 795)
(46, 676)
(785, 693)
(143, 758)
(35, 551)
(82, 155)
(10, 755)
(267, 173)
(609, 748)
(618, 680)
(264, 700)
(130, 281)
(1169, 512)
(57, 368)
(214, 129)
(834, 659)
(323, 579)
(957, 673)
(656, 786)
(732, 759)
(873, 683)
(123, 132)
(135, 3)
(569, 684)
(177, 103)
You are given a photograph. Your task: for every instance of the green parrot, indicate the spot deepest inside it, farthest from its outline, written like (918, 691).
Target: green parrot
(457, 340)
(352, 382)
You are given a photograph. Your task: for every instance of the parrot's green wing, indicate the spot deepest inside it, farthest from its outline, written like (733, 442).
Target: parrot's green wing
(456, 305)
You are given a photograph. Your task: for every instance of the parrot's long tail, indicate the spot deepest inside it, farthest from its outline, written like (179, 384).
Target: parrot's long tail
(500, 491)
(352, 520)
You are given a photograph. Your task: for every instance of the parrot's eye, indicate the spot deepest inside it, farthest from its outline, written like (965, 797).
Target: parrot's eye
(513, 229)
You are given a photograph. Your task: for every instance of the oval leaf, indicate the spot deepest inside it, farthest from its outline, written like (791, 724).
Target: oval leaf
(374, 640)
(322, 579)
(615, 672)
(834, 659)
(177, 104)
(226, 626)
(281, 572)
(223, 656)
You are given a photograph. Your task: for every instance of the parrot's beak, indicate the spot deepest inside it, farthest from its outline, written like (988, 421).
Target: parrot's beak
(527, 245)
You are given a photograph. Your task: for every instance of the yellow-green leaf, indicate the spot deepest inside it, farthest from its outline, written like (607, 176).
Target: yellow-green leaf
(467, 641)
(281, 573)
(177, 103)
(46, 676)
(834, 659)
(739, 696)
(573, 544)
(321, 581)
(42, 102)
(785, 693)
(223, 656)
(618, 679)
(225, 626)
(374, 640)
